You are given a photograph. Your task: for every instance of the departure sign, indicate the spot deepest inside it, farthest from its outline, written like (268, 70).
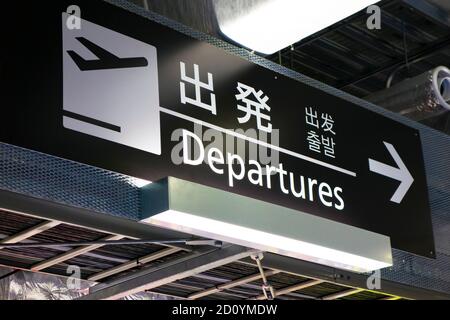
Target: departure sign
(121, 92)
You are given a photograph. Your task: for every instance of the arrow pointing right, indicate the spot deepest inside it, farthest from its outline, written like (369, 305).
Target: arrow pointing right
(401, 173)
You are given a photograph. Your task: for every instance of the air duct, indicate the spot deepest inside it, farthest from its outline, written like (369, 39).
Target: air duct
(419, 98)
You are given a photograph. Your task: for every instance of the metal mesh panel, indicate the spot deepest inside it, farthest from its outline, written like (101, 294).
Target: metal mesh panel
(68, 182)
(80, 185)
(418, 271)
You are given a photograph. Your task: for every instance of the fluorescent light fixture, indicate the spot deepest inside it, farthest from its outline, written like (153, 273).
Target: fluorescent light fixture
(216, 214)
(267, 26)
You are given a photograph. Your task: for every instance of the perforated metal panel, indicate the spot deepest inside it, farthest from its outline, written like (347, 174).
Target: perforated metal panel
(68, 182)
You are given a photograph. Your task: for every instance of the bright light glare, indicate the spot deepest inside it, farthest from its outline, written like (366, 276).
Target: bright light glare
(264, 241)
(276, 24)
(139, 183)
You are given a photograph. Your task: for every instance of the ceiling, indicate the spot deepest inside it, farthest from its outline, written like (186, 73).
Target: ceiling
(414, 38)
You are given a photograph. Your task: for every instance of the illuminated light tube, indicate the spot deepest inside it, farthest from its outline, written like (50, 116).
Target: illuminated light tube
(216, 214)
(267, 26)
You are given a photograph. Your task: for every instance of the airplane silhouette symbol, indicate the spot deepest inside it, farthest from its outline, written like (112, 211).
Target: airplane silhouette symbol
(106, 60)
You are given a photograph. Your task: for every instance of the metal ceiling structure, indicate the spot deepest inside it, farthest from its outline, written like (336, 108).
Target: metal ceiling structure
(346, 56)
(122, 270)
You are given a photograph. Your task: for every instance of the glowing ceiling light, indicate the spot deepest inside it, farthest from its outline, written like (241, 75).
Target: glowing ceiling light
(267, 26)
(216, 214)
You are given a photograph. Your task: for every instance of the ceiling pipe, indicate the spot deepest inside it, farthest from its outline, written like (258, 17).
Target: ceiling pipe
(424, 96)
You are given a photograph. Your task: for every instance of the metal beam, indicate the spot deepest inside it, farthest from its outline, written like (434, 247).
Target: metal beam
(145, 4)
(150, 278)
(336, 49)
(287, 290)
(399, 25)
(44, 209)
(134, 263)
(416, 55)
(231, 284)
(342, 294)
(127, 242)
(430, 10)
(321, 66)
(344, 22)
(370, 41)
(244, 288)
(345, 278)
(30, 232)
(71, 254)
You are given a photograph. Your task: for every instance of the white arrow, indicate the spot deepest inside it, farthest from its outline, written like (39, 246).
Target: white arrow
(401, 173)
